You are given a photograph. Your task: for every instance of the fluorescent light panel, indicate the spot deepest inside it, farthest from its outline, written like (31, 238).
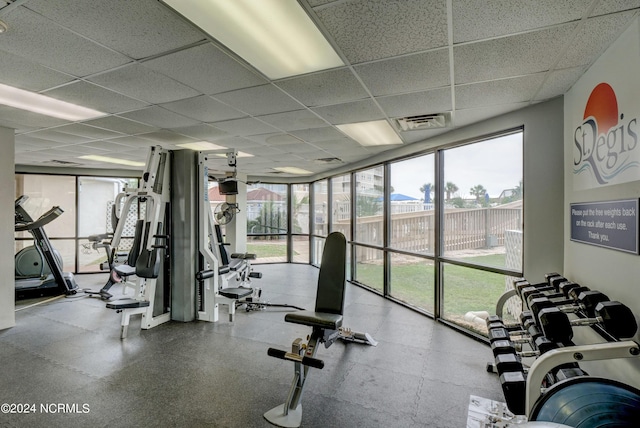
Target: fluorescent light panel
(201, 146)
(42, 104)
(292, 170)
(275, 36)
(112, 160)
(376, 133)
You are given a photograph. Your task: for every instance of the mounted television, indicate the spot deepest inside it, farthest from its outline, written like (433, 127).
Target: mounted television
(228, 187)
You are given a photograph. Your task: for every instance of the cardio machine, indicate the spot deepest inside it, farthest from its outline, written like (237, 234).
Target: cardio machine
(38, 268)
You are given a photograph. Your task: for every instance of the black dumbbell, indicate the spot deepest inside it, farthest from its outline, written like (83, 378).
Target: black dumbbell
(566, 289)
(586, 302)
(494, 321)
(616, 319)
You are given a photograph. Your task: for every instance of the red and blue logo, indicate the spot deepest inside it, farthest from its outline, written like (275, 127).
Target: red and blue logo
(606, 141)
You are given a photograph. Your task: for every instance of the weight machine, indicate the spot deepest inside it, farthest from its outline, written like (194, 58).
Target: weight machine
(148, 260)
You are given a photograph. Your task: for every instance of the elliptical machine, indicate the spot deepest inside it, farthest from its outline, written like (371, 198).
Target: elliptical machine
(38, 268)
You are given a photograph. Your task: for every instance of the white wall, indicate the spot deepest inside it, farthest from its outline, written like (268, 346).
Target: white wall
(7, 193)
(613, 272)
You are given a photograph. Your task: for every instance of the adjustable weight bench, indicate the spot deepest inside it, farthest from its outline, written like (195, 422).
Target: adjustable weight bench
(326, 323)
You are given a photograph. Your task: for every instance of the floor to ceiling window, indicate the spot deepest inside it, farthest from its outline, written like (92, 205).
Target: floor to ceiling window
(412, 227)
(369, 227)
(482, 225)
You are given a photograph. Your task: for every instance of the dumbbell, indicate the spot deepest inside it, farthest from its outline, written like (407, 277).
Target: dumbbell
(586, 302)
(564, 289)
(617, 320)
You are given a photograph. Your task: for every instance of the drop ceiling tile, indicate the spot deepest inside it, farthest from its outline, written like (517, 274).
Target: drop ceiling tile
(315, 135)
(274, 139)
(594, 37)
(60, 137)
(138, 29)
(93, 96)
(474, 21)
(558, 82)
(369, 30)
(297, 148)
(77, 150)
(120, 124)
(36, 142)
(110, 146)
(427, 102)
(26, 74)
(409, 73)
(294, 120)
(162, 118)
(358, 111)
(466, 117)
(186, 66)
(260, 151)
(259, 100)
(86, 131)
(203, 132)
(204, 108)
(142, 83)
(239, 143)
(167, 137)
(134, 142)
(27, 119)
(244, 127)
(609, 6)
(507, 91)
(509, 56)
(324, 88)
(32, 36)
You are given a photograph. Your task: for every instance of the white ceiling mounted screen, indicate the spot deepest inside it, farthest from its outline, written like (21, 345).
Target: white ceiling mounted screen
(277, 37)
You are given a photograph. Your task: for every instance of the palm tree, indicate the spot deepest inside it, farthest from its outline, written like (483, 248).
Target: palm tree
(450, 188)
(478, 191)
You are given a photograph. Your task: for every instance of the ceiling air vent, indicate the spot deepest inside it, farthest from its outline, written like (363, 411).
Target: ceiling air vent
(425, 121)
(61, 162)
(328, 160)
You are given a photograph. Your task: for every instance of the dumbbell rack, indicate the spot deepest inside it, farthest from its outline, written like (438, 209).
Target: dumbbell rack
(532, 388)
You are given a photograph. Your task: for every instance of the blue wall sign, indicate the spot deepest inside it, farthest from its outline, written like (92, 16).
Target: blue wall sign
(610, 224)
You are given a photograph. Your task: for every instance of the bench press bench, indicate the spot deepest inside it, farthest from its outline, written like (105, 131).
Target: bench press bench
(326, 323)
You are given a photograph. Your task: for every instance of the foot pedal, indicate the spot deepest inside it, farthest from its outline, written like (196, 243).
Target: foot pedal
(255, 275)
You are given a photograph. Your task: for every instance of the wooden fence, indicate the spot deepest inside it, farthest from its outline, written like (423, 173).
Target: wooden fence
(464, 229)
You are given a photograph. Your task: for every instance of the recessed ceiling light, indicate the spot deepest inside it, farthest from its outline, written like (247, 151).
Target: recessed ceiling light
(376, 133)
(38, 103)
(293, 170)
(112, 160)
(201, 146)
(275, 36)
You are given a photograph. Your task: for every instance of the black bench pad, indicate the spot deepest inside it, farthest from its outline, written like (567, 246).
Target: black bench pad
(127, 304)
(236, 293)
(315, 319)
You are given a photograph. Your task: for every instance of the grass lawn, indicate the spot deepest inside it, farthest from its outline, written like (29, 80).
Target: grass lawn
(465, 289)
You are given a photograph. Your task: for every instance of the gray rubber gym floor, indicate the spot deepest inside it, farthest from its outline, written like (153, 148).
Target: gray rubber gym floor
(201, 374)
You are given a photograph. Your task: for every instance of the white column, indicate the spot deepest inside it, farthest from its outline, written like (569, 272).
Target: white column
(7, 195)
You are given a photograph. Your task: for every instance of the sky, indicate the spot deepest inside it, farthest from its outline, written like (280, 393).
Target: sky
(495, 164)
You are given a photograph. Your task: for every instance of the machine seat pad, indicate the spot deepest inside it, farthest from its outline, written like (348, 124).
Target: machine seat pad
(315, 319)
(236, 292)
(125, 270)
(245, 256)
(127, 304)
